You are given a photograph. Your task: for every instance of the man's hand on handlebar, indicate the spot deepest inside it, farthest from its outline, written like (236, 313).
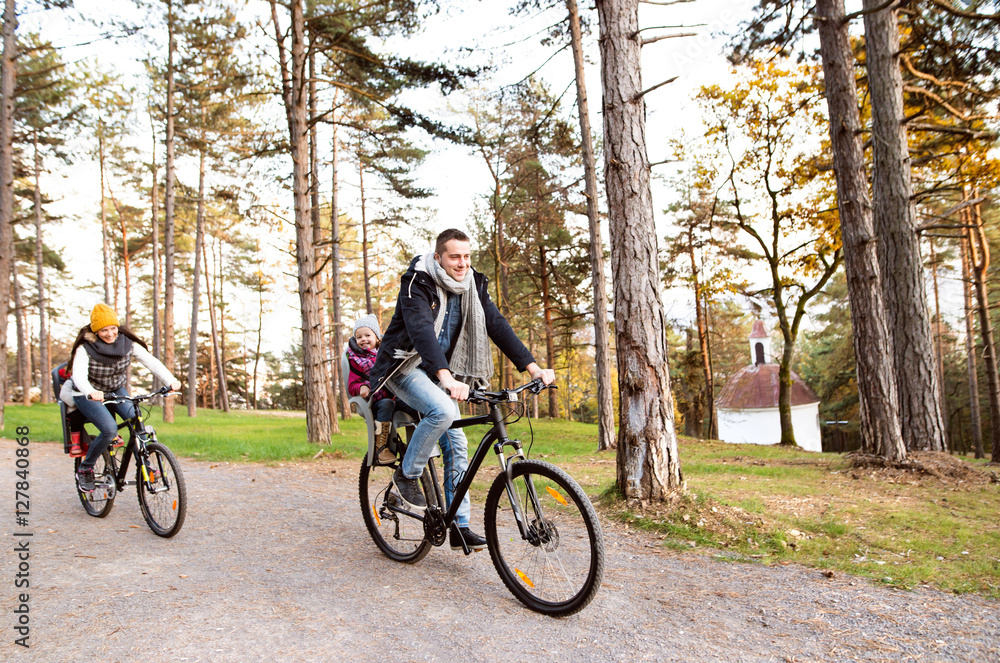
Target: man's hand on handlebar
(457, 390)
(547, 375)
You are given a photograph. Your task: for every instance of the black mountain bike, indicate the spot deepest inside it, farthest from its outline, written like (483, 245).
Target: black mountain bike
(159, 481)
(541, 529)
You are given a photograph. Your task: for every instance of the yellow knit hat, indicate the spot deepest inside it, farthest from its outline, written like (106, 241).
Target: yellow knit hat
(102, 316)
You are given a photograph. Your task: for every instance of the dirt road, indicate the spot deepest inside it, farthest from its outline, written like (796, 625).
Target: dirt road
(274, 564)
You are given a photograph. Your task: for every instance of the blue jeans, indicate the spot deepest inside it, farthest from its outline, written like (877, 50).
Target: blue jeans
(438, 411)
(98, 414)
(383, 408)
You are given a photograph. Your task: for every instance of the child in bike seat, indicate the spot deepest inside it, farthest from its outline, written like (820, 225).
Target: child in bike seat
(100, 358)
(361, 350)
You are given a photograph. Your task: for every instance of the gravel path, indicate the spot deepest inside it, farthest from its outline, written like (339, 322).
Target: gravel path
(274, 563)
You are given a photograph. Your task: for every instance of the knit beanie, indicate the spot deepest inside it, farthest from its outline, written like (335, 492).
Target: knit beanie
(371, 322)
(101, 317)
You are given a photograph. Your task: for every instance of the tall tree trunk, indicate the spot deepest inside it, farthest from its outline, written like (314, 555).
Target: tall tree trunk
(23, 344)
(979, 259)
(168, 218)
(878, 399)
(976, 420)
(605, 400)
(155, 244)
(105, 234)
(713, 419)
(199, 244)
(8, 73)
(44, 362)
(329, 354)
(898, 247)
(708, 395)
(939, 336)
(315, 382)
(364, 236)
(550, 343)
(220, 365)
(338, 324)
(648, 464)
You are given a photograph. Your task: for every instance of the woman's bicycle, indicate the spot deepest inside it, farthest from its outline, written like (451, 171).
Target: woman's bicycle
(541, 529)
(159, 480)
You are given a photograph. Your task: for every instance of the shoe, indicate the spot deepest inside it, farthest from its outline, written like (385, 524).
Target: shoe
(409, 490)
(117, 443)
(85, 479)
(385, 454)
(75, 448)
(472, 540)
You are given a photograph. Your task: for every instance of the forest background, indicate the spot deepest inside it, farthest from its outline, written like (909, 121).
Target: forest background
(420, 116)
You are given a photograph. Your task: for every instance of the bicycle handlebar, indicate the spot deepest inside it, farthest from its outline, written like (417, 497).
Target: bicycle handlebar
(137, 399)
(504, 395)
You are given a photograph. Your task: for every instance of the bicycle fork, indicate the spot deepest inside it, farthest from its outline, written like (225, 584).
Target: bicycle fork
(528, 531)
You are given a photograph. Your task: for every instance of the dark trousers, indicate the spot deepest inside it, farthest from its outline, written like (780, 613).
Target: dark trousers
(100, 415)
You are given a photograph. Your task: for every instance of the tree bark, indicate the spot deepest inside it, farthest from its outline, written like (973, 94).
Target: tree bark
(317, 231)
(364, 236)
(979, 259)
(294, 92)
(879, 402)
(217, 345)
(43, 327)
(550, 343)
(338, 325)
(706, 364)
(921, 418)
(155, 244)
(168, 219)
(605, 401)
(199, 244)
(8, 72)
(23, 345)
(975, 416)
(105, 235)
(648, 466)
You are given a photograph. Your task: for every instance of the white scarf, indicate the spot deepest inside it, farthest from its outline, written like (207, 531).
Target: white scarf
(471, 359)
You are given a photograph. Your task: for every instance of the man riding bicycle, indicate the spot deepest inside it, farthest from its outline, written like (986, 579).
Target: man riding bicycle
(436, 346)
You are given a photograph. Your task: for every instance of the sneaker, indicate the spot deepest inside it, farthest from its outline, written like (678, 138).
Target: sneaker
(117, 443)
(473, 540)
(85, 479)
(409, 490)
(385, 454)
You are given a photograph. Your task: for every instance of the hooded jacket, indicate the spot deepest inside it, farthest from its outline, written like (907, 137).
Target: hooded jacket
(412, 327)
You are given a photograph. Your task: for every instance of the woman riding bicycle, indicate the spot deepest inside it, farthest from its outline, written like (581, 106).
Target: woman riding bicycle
(100, 359)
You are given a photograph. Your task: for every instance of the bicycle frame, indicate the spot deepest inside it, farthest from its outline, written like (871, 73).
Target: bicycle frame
(495, 438)
(138, 437)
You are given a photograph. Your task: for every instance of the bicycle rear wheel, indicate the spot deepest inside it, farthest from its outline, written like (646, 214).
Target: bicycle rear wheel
(163, 497)
(99, 502)
(398, 536)
(556, 566)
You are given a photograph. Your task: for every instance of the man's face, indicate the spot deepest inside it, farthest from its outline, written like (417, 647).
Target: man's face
(456, 258)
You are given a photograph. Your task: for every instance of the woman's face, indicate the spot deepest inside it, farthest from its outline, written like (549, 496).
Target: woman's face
(108, 334)
(366, 338)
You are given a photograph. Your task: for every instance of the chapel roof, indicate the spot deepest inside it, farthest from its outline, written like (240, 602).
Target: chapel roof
(756, 387)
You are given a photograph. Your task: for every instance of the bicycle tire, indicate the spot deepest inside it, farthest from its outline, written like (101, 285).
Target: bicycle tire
(163, 500)
(557, 569)
(399, 537)
(98, 508)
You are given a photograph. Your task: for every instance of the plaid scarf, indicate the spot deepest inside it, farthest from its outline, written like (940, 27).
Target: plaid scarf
(108, 362)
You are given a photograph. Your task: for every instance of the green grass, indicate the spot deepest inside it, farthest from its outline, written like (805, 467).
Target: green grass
(744, 502)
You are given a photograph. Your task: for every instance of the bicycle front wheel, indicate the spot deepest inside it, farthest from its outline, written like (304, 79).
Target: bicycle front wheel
(161, 490)
(99, 502)
(553, 561)
(399, 536)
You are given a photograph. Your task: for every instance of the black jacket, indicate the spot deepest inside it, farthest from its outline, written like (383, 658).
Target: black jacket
(412, 327)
